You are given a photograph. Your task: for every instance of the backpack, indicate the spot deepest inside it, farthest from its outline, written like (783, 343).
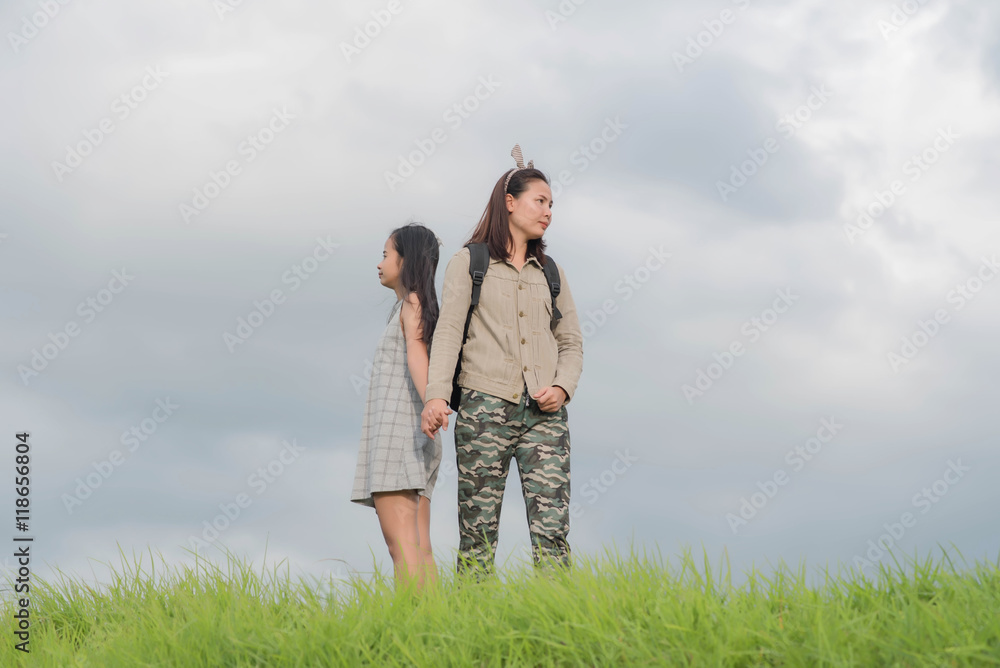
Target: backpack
(479, 263)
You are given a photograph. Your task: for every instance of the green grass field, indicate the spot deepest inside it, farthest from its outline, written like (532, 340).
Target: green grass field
(612, 610)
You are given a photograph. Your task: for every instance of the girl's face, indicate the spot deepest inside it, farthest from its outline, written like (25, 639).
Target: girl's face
(532, 211)
(388, 268)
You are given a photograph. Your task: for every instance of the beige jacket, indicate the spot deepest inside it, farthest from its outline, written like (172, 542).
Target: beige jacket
(511, 342)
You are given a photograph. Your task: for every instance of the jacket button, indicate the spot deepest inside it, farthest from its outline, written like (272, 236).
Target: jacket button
(520, 286)
(523, 340)
(525, 368)
(515, 396)
(521, 313)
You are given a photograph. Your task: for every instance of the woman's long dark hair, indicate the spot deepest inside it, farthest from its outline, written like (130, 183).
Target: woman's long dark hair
(494, 226)
(418, 248)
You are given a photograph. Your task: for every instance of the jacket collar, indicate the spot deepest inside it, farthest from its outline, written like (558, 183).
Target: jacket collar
(531, 258)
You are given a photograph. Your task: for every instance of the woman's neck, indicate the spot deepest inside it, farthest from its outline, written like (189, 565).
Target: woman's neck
(520, 252)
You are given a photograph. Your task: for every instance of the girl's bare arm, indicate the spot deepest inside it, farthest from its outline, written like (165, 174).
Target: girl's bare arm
(416, 350)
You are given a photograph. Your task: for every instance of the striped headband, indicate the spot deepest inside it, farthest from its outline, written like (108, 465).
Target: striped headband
(519, 161)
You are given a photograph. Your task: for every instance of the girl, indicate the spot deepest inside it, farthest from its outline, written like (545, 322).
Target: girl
(518, 372)
(397, 464)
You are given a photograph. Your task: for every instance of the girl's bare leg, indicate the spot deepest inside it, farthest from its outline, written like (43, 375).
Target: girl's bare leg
(397, 515)
(428, 575)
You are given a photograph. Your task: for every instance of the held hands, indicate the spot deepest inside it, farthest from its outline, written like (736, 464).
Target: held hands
(434, 416)
(436, 411)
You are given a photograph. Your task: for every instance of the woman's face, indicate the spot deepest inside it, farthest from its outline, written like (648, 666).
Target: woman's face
(532, 211)
(388, 268)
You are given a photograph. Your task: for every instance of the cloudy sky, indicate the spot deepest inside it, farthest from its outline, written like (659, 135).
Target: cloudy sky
(778, 218)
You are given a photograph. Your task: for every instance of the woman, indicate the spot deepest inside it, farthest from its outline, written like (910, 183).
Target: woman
(397, 464)
(517, 374)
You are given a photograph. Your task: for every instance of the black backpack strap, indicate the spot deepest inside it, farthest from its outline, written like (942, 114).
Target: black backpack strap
(552, 276)
(479, 262)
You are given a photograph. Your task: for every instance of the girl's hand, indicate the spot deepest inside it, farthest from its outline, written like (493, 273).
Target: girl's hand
(434, 416)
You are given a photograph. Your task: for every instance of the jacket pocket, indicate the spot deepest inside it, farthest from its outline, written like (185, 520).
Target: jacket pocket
(544, 349)
(541, 308)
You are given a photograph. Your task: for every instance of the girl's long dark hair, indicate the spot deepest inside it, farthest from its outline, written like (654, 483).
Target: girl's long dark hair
(418, 248)
(494, 226)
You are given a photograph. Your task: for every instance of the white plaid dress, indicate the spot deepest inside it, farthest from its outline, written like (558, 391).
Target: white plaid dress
(394, 454)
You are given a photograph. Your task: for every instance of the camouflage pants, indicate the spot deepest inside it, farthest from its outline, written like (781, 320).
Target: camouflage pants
(488, 432)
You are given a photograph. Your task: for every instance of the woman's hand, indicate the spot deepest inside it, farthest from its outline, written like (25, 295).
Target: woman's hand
(434, 416)
(550, 399)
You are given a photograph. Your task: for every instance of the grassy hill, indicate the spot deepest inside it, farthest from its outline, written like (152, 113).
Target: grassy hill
(606, 611)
